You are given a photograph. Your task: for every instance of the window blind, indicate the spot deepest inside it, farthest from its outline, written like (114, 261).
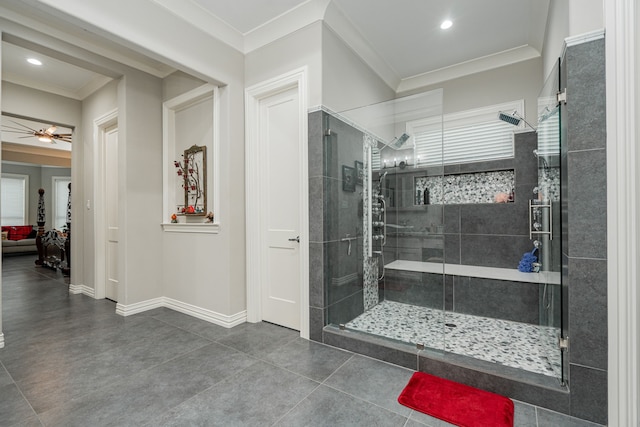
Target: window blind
(462, 137)
(60, 199)
(14, 199)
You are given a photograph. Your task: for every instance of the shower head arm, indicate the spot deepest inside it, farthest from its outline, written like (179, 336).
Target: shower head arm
(515, 113)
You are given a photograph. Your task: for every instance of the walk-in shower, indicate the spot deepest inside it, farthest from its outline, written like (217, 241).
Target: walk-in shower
(439, 240)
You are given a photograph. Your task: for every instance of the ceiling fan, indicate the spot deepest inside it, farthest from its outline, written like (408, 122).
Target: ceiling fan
(43, 135)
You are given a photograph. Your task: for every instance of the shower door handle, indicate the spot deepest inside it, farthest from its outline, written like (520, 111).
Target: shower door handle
(295, 239)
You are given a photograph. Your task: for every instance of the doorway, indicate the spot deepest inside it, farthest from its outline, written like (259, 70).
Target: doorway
(106, 206)
(277, 202)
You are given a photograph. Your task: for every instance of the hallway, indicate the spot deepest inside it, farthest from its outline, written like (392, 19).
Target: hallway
(69, 360)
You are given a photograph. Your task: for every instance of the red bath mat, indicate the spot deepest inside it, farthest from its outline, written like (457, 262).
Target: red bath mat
(456, 403)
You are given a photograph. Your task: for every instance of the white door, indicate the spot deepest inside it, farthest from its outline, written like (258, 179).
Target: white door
(280, 196)
(111, 210)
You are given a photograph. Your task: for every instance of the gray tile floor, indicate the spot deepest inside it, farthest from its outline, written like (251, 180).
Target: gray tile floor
(70, 360)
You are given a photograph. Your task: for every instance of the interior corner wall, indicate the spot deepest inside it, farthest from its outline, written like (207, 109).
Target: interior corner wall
(521, 80)
(298, 49)
(343, 68)
(557, 30)
(83, 220)
(139, 187)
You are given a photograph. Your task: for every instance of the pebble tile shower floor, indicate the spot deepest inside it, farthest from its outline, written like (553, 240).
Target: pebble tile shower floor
(519, 345)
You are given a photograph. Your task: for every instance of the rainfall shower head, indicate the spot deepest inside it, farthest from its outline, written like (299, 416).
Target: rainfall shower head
(510, 118)
(514, 119)
(397, 143)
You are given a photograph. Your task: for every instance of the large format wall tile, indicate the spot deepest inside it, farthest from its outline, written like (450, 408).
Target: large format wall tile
(316, 148)
(493, 251)
(586, 93)
(507, 218)
(498, 299)
(588, 312)
(587, 187)
(588, 393)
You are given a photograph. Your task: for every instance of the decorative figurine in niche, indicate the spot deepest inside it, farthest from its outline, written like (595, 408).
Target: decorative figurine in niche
(174, 218)
(209, 218)
(192, 171)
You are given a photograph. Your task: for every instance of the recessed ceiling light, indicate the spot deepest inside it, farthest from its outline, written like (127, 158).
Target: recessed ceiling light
(34, 61)
(446, 24)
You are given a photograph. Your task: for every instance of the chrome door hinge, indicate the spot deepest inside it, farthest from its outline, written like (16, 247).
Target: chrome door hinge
(561, 96)
(563, 343)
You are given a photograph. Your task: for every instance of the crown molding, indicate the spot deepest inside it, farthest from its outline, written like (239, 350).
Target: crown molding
(485, 63)
(293, 20)
(204, 20)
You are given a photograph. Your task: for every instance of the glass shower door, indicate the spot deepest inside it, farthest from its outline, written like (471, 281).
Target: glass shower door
(545, 211)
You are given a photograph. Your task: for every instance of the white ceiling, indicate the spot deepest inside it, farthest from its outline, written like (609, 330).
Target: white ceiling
(402, 39)
(407, 34)
(52, 76)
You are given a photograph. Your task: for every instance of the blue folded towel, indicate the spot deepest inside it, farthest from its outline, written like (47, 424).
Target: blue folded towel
(526, 263)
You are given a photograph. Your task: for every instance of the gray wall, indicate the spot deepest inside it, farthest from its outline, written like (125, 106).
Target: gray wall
(584, 249)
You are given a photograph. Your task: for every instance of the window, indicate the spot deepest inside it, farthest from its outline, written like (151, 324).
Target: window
(60, 199)
(15, 199)
(468, 136)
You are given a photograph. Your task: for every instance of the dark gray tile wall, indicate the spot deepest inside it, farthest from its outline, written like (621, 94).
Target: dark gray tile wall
(335, 272)
(497, 299)
(584, 237)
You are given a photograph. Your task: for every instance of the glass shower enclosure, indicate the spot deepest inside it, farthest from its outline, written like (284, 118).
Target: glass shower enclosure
(429, 246)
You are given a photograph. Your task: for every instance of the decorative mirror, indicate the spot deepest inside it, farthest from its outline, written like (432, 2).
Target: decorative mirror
(192, 171)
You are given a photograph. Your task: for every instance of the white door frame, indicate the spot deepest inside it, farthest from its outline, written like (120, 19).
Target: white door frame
(100, 126)
(254, 170)
(623, 159)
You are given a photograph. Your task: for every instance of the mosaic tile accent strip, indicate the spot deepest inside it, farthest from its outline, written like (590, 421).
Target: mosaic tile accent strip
(524, 346)
(480, 187)
(370, 283)
(370, 264)
(549, 183)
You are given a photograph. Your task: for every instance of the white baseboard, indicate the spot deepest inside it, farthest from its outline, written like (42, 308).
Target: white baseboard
(82, 289)
(139, 307)
(227, 321)
(1, 340)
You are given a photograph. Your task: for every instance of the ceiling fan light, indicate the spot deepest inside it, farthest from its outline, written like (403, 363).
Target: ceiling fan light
(44, 138)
